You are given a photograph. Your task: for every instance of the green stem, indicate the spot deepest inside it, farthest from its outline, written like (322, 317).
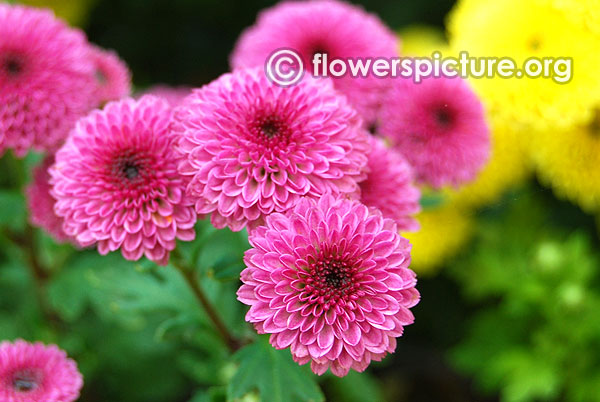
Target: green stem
(27, 243)
(188, 274)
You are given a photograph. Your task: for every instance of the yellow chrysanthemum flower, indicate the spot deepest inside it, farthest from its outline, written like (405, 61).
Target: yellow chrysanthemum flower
(521, 29)
(422, 41)
(507, 167)
(444, 231)
(74, 11)
(582, 12)
(569, 161)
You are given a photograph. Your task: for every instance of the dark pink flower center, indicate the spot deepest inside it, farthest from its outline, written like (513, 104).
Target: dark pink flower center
(129, 168)
(270, 131)
(443, 116)
(317, 49)
(26, 380)
(12, 65)
(372, 127)
(137, 174)
(131, 171)
(331, 279)
(101, 77)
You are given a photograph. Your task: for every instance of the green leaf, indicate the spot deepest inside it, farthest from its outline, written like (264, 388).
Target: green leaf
(221, 253)
(273, 373)
(12, 212)
(121, 290)
(125, 288)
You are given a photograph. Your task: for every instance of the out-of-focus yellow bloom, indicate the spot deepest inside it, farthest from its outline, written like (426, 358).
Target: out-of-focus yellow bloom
(422, 40)
(507, 167)
(75, 12)
(521, 29)
(582, 12)
(444, 231)
(569, 161)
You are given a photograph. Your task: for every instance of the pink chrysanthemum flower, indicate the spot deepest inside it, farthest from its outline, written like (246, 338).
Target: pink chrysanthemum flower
(330, 280)
(37, 373)
(439, 126)
(252, 148)
(173, 95)
(113, 79)
(389, 186)
(116, 181)
(41, 204)
(46, 79)
(338, 29)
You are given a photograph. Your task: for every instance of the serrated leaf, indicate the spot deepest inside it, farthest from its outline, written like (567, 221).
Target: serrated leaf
(273, 373)
(222, 249)
(117, 288)
(182, 320)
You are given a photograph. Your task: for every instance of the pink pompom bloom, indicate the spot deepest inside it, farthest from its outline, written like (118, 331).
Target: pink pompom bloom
(116, 182)
(37, 373)
(46, 79)
(41, 204)
(330, 280)
(389, 187)
(173, 95)
(339, 29)
(113, 79)
(439, 126)
(252, 148)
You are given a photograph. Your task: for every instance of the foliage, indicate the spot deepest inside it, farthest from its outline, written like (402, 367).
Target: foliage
(274, 373)
(534, 336)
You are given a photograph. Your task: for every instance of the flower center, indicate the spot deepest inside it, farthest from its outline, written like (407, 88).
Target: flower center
(131, 171)
(443, 116)
(270, 128)
(335, 275)
(130, 168)
(534, 44)
(373, 127)
(317, 50)
(100, 77)
(269, 131)
(331, 279)
(26, 380)
(12, 65)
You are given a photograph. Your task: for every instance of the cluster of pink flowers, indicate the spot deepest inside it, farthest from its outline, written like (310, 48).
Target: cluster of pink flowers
(324, 201)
